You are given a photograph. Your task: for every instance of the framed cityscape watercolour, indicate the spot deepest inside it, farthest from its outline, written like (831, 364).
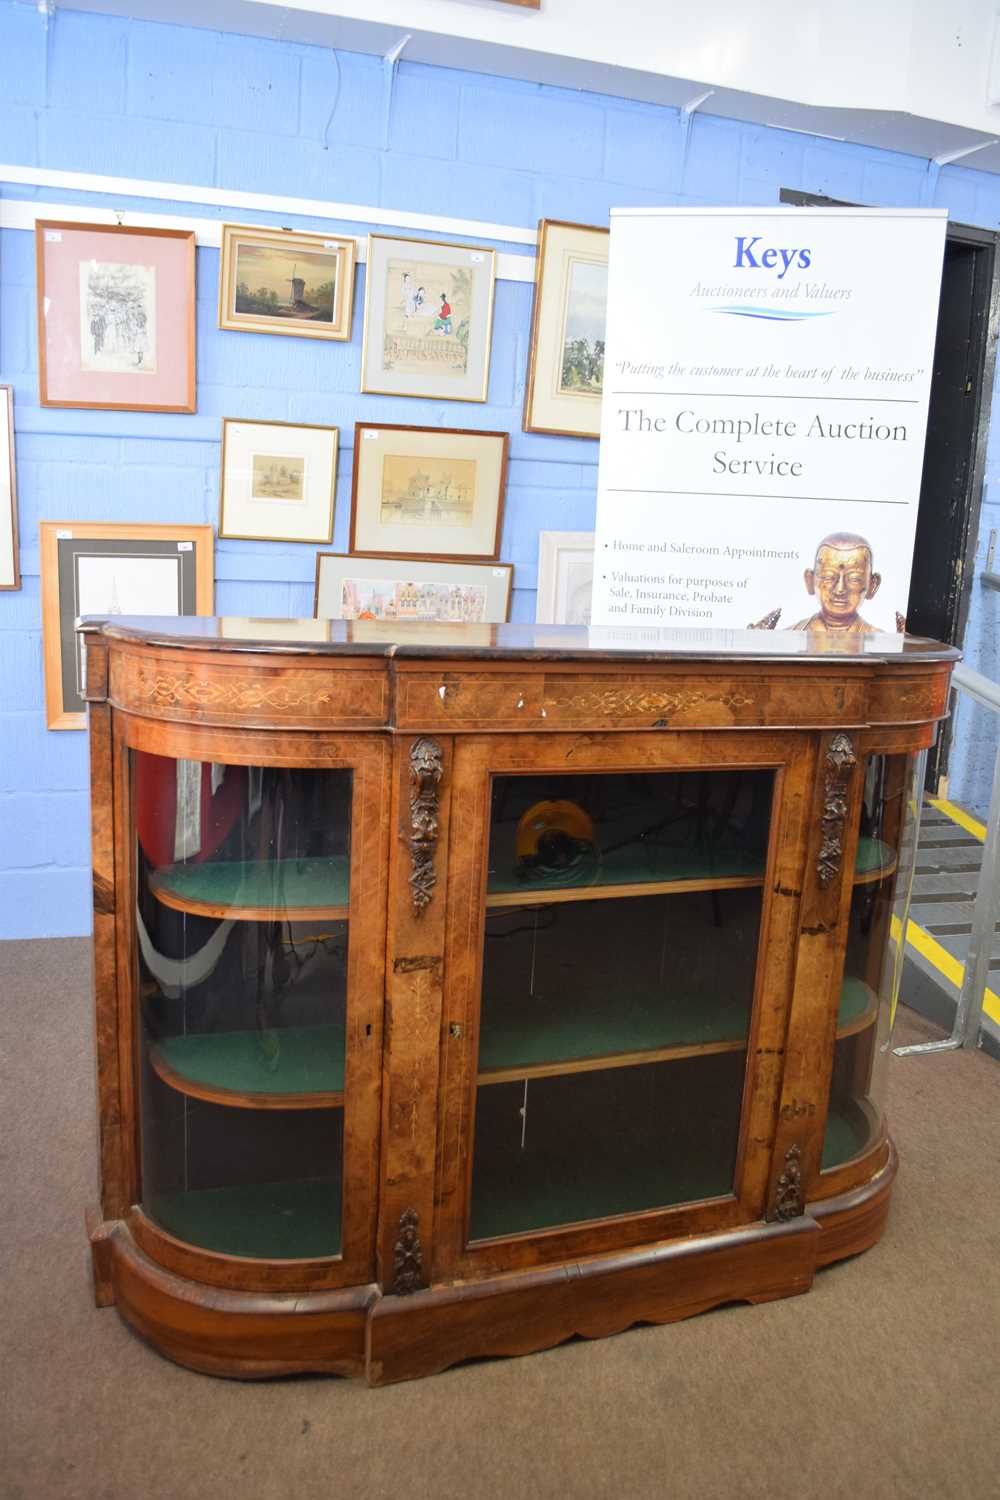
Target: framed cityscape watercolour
(565, 577)
(401, 589)
(10, 573)
(116, 317)
(284, 281)
(566, 358)
(278, 481)
(427, 491)
(100, 568)
(428, 319)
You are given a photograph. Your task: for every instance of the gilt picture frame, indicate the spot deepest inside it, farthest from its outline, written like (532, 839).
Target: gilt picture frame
(402, 590)
(428, 319)
(285, 281)
(102, 568)
(427, 491)
(116, 316)
(10, 571)
(566, 353)
(277, 481)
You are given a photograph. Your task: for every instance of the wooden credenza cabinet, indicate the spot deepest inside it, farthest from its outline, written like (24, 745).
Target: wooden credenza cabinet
(463, 991)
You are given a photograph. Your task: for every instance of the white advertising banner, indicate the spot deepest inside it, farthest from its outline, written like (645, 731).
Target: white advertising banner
(766, 382)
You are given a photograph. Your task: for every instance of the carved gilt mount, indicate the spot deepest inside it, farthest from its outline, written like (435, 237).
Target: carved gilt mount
(840, 762)
(788, 1200)
(407, 1263)
(426, 769)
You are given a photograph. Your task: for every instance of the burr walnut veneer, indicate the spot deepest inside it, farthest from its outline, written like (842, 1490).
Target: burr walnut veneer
(461, 989)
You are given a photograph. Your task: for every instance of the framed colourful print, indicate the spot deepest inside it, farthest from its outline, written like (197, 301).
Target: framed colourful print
(278, 481)
(427, 491)
(10, 573)
(428, 319)
(284, 281)
(566, 358)
(99, 568)
(399, 590)
(116, 317)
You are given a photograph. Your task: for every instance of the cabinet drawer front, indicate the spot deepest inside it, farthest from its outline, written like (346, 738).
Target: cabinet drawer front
(617, 700)
(250, 693)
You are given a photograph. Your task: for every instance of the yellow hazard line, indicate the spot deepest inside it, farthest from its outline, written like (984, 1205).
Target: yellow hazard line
(960, 816)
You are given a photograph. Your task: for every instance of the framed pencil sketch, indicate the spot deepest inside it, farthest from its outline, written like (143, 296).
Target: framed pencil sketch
(116, 317)
(428, 319)
(399, 590)
(10, 572)
(565, 577)
(566, 356)
(99, 568)
(284, 281)
(278, 481)
(427, 491)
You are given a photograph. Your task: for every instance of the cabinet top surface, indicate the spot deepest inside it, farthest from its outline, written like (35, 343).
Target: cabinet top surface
(543, 642)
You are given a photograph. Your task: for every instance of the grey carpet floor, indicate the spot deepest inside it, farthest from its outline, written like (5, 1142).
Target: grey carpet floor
(881, 1382)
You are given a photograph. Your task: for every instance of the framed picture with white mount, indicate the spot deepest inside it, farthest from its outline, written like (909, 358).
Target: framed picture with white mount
(565, 577)
(428, 319)
(10, 573)
(403, 590)
(427, 492)
(285, 281)
(116, 317)
(278, 481)
(566, 358)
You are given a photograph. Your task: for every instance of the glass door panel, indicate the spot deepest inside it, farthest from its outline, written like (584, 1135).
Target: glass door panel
(880, 901)
(620, 951)
(242, 917)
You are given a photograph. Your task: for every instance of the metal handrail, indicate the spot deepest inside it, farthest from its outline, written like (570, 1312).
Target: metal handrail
(969, 1011)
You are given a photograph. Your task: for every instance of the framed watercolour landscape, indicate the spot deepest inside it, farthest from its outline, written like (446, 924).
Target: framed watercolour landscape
(566, 359)
(10, 573)
(398, 590)
(284, 281)
(116, 317)
(428, 319)
(427, 491)
(99, 568)
(278, 481)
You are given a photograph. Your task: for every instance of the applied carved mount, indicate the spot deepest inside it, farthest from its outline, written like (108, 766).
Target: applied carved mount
(840, 762)
(426, 770)
(408, 1264)
(788, 1201)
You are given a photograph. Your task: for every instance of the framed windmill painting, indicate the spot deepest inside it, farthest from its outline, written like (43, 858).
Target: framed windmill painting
(284, 281)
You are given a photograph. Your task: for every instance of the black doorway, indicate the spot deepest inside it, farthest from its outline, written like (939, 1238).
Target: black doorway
(958, 422)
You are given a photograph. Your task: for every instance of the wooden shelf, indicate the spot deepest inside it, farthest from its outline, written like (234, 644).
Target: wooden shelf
(852, 1127)
(660, 873)
(257, 890)
(232, 1068)
(268, 1221)
(587, 1033)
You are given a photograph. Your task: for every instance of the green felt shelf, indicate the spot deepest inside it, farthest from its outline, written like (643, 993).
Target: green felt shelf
(257, 889)
(655, 868)
(268, 1221)
(288, 1068)
(529, 1038)
(849, 1133)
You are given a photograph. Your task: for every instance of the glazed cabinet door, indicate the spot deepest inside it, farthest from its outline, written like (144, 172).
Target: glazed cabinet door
(253, 979)
(621, 929)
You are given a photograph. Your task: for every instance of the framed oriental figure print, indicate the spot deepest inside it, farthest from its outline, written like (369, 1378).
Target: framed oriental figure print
(397, 590)
(116, 317)
(566, 359)
(427, 491)
(428, 319)
(10, 574)
(278, 481)
(98, 568)
(284, 281)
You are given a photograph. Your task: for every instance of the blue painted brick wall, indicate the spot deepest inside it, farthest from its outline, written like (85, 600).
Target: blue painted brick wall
(134, 99)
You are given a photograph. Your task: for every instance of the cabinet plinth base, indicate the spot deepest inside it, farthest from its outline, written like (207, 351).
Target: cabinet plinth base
(360, 1332)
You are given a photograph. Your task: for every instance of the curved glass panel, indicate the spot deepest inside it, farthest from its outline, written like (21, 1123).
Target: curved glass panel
(242, 886)
(874, 958)
(619, 963)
